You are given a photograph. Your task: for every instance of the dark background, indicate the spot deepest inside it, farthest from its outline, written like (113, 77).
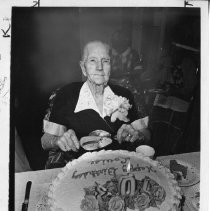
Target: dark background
(46, 49)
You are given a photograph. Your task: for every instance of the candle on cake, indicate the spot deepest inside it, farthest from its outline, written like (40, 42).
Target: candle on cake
(146, 184)
(127, 182)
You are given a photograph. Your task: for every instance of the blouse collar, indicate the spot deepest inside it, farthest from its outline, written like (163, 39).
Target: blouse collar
(86, 100)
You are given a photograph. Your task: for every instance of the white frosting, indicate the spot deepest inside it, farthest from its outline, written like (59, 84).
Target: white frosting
(67, 190)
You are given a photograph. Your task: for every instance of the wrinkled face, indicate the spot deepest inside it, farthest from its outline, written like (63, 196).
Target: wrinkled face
(96, 65)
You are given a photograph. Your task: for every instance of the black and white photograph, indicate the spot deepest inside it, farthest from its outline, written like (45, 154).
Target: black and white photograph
(105, 108)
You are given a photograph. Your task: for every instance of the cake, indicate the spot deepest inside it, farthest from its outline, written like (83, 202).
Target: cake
(114, 181)
(176, 168)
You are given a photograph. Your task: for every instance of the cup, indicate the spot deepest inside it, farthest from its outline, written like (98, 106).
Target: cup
(146, 151)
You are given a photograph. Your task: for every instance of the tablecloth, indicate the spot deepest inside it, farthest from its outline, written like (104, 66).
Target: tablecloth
(42, 179)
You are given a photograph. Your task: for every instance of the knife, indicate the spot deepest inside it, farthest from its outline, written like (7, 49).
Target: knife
(27, 195)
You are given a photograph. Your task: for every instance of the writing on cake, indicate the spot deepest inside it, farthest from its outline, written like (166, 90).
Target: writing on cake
(111, 171)
(106, 171)
(122, 160)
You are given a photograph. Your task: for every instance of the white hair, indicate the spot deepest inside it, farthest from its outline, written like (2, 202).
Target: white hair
(96, 42)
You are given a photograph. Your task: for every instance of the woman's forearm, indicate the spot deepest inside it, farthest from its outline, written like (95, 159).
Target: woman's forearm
(49, 141)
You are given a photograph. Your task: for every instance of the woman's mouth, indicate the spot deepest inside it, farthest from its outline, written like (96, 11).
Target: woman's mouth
(100, 75)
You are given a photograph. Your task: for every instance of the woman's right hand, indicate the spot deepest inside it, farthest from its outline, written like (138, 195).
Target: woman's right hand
(68, 141)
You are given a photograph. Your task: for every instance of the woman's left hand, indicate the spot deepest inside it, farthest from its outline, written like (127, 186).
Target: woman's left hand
(128, 133)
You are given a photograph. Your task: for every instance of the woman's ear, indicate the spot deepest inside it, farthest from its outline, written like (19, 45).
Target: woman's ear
(82, 65)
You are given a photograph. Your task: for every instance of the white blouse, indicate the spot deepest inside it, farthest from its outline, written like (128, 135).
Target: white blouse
(86, 100)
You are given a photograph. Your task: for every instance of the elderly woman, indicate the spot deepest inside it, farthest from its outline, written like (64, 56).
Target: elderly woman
(80, 108)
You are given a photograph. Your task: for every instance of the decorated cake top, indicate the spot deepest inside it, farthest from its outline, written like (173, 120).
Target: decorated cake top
(114, 181)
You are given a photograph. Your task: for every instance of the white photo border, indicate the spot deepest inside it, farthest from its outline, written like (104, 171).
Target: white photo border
(5, 47)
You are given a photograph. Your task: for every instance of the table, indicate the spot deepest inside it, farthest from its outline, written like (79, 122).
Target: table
(42, 179)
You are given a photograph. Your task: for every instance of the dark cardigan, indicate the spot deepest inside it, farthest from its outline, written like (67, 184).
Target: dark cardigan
(62, 112)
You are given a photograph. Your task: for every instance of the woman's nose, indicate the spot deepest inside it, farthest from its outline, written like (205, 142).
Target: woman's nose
(99, 65)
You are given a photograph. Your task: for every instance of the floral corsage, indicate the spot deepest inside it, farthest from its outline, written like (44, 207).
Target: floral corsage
(117, 107)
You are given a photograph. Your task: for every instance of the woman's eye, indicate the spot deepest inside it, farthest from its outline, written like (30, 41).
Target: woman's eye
(106, 61)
